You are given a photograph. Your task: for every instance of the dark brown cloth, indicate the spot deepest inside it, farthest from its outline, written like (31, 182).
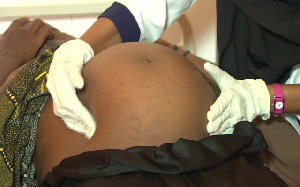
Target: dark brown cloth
(222, 160)
(258, 38)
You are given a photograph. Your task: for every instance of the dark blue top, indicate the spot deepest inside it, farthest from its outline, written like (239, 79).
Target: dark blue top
(124, 21)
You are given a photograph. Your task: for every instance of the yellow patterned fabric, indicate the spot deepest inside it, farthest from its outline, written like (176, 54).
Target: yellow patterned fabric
(20, 108)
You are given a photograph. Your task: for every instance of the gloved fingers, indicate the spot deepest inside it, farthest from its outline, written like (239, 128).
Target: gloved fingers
(74, 74)
(59, 85)
(229, 130)
(69, 108)
(223, 79)
(79, 119)
(87, 120)
(222, 122)
(223, 112)
(220, 105)
(61, 91)
(226, 127)
(211, 128)
(228, 119)
(228, 124)
(70, 69)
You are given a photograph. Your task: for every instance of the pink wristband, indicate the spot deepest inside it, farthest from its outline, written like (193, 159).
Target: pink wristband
(278, 100)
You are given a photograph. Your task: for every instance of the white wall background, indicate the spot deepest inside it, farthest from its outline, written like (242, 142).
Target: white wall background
(75, 16)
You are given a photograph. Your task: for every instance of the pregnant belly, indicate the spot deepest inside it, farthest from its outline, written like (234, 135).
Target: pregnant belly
(139, 94)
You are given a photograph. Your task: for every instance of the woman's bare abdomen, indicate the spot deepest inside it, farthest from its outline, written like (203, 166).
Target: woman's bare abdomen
(139, 94)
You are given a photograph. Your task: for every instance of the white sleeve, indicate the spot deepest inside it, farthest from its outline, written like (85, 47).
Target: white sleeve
(294, 79)
(154, 16)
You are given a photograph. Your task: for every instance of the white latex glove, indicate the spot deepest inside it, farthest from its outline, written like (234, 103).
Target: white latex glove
(239, 100)
(63, 79)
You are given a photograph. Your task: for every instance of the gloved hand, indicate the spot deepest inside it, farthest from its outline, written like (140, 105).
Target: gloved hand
(239, 100)
(63, 79)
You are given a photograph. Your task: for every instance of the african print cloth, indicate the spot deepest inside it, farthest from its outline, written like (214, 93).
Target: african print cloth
(20, 108)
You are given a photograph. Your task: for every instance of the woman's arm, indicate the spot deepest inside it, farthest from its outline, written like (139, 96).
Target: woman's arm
(19, 44)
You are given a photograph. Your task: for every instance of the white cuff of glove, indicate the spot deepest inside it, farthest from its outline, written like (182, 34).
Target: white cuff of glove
(261, 96)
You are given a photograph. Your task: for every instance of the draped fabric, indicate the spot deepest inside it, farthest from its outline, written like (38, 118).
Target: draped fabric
(221, 160)
(258, 38)
(20, 108)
